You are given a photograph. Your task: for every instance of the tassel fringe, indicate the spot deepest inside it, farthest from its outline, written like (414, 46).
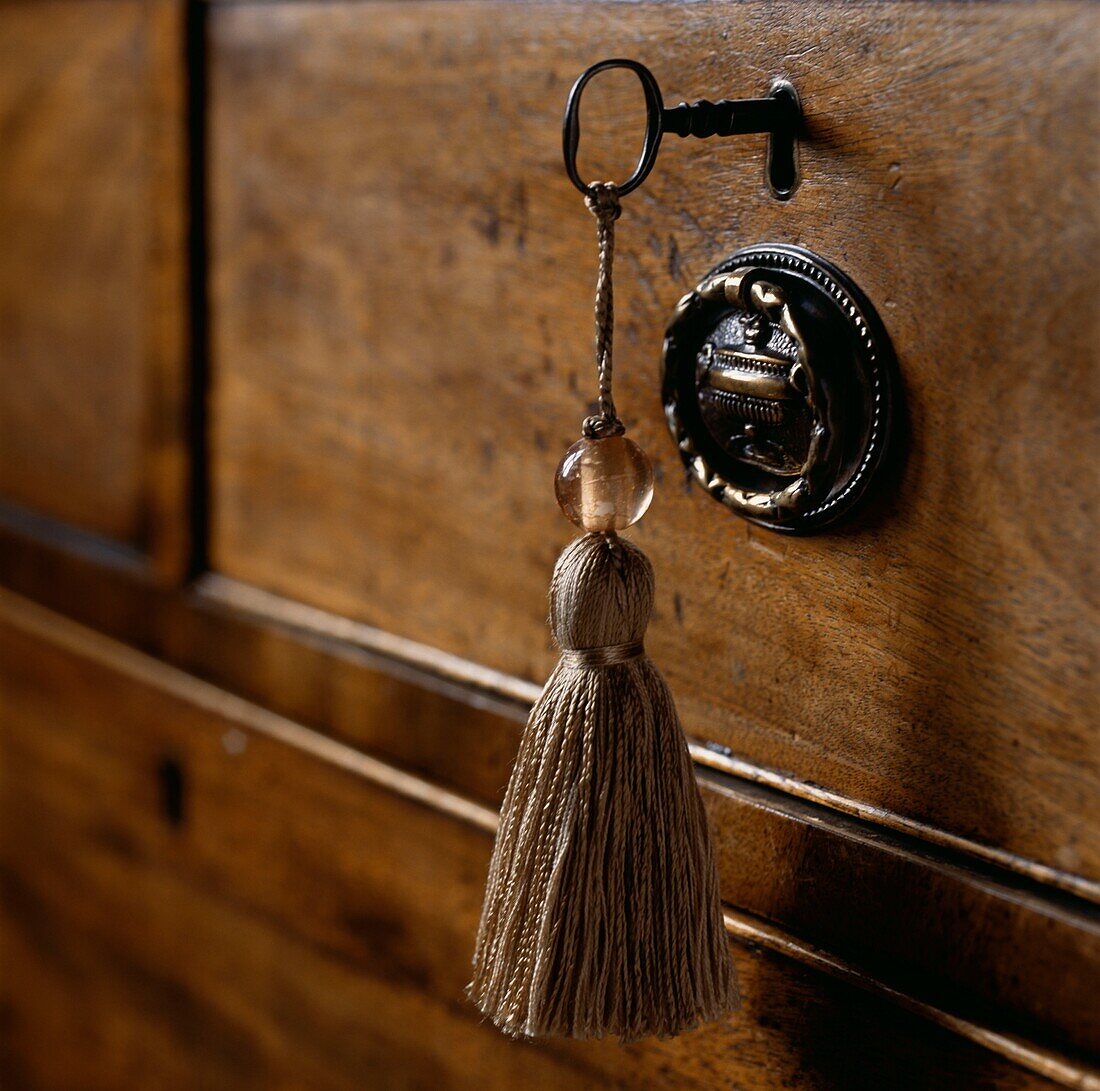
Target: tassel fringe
(601, 914)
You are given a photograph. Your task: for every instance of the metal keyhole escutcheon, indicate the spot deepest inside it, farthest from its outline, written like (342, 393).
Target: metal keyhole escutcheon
(779, 387)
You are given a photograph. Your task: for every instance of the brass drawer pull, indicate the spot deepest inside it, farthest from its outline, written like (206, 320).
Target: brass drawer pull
(779, 387)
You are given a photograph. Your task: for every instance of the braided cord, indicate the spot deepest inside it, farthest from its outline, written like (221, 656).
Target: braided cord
(603, 202)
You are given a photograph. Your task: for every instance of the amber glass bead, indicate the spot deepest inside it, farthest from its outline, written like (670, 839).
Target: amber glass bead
(604, 484)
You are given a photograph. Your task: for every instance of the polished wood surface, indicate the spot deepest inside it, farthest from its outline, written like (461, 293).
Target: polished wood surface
(401, 282)
(272, 601)
(980, 944)
(289, 921)
(92, 279)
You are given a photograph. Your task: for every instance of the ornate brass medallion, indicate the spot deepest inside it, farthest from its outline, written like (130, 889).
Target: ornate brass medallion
(779, 381)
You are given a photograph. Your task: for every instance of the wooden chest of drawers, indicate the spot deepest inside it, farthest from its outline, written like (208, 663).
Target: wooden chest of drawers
(293, 329)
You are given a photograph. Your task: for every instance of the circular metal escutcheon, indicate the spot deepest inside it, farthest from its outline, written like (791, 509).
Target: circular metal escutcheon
(779, 384)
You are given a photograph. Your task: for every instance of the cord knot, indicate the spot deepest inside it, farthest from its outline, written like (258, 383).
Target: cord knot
(600, 427)
(602, 201)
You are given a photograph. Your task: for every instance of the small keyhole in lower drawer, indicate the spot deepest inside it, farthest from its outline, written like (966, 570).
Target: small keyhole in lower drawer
(172, 785)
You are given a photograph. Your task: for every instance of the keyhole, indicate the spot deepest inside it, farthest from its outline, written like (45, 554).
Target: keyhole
(171, 779)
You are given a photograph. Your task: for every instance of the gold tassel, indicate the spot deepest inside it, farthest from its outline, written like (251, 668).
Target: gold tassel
(601, 914)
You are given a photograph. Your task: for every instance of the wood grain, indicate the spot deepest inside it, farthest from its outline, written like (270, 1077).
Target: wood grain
(92, 269)
(977, 942)
(401, 288)
(296, 925)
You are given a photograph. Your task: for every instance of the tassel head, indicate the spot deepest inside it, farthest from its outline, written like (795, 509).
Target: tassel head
(601, 593)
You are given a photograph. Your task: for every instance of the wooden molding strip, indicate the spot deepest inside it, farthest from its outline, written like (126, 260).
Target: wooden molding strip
(1032, 898)
(482, 683)
(759, 933)
(63, 538)
(45, 625)
(252, 601)
(725, 761)
(121, 658)
(25, 534)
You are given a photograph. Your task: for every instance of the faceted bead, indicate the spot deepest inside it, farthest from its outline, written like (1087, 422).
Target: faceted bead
(604, 484)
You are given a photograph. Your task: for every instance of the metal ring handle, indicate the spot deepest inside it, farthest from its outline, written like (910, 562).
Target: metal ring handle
(654, 124)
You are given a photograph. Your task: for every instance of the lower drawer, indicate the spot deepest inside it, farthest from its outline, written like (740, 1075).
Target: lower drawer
(197, 893)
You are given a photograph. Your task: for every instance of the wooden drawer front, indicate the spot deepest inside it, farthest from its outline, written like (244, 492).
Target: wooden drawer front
(1004, 955)
(402, 281)
(304, 921)
(91, 267)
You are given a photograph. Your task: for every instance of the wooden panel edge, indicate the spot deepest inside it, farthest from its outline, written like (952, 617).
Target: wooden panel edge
(168, 349)
(754, 931)
(46, 535)
(709, 755)
(484, 681)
